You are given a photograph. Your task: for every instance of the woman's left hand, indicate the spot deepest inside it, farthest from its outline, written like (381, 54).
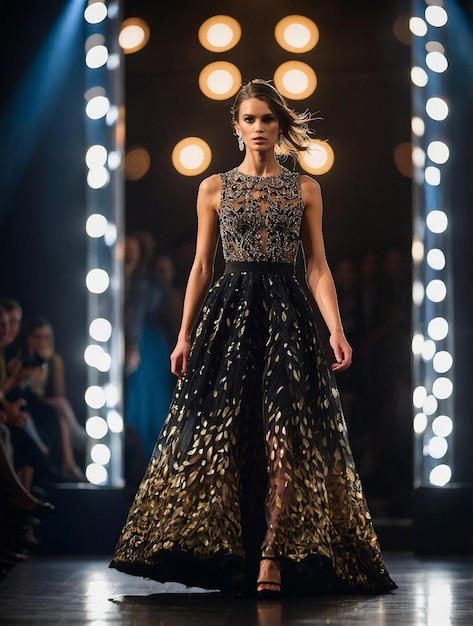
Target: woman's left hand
(342, 351)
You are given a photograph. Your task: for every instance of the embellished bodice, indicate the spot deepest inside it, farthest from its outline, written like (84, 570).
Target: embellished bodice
(260, 217)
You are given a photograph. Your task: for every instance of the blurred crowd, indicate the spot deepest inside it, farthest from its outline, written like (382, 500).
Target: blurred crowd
(43, 442)
(374, 294)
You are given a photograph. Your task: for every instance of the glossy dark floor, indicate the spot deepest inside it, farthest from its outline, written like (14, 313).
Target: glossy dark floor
(55, 590)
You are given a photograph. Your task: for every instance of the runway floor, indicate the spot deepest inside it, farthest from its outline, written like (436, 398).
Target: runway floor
(58, 590)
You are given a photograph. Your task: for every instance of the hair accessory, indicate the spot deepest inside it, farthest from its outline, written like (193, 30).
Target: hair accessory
(241, 145)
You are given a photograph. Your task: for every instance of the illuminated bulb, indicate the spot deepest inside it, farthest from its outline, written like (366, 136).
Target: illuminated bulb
(442, 388)
(436, 290)
(97, 281)
(438, 447)
(430, 405)
(96, 57)
(96, 225)
(438, 152)
(417, 251)
(436, 259)
(440, 475)
(436, 109)
(419, 76)
(418, 156)
(417, 343)
(420, 423)
(95, 13)
(419, 396)
(100, 453)
(417, 26)
(428, 350)
(436, 15)
(98, 177)
(95, 397)
(96, 156)
(92, 355)
(442, 426)
(437, 221)
(96, 474)
(438, 328)
(97, 107)
(417, 292)
(432, 176)
(115, 421)
(96, 427)
(442, 362)
(436, 61)
(418, 126)
(100, 329)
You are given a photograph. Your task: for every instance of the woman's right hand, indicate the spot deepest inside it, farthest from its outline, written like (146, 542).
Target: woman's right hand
(180, 357)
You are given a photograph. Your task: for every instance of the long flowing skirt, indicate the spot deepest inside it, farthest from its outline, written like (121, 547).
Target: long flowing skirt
(253, 458)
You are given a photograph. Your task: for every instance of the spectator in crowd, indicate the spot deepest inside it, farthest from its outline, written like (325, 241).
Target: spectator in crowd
(149, 382)
(44, 392)
(19, 509)
(15, 315)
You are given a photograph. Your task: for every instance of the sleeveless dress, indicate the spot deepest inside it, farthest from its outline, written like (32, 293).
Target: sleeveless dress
(253, 458)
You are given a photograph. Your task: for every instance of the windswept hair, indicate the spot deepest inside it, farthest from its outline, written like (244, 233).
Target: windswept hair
(296, 134)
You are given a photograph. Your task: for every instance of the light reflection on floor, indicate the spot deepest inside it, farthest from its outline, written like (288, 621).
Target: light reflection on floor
(432, 592)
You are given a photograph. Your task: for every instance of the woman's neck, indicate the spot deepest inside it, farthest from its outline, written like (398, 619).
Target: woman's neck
(260, 166)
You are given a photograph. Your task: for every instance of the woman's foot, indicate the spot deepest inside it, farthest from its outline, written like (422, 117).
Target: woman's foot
(268, 584)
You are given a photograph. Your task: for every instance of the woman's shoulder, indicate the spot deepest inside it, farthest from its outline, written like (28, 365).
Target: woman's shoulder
(308, 183)
(210, 184)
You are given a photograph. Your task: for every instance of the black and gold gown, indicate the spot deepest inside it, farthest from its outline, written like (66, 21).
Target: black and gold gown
(253, 458)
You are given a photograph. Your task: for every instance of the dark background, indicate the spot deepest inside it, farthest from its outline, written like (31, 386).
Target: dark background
(363, 98)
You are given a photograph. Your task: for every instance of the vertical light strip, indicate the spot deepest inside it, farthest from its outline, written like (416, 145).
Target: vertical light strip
(432, 341)
(104, 121)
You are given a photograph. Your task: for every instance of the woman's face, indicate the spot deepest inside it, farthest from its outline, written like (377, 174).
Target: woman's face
(257, 124)
(40, 341)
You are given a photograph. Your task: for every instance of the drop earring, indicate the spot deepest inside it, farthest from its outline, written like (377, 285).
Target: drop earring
(241, 144)
(279, 139)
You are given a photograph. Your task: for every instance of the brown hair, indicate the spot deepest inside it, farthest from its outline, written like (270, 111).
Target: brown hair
(296, 134)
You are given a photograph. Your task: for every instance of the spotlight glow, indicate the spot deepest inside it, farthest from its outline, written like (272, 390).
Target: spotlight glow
(436, 290)
(417, 26)
(96, 225)
(97, 280)
(436, 61)
(419, 76)
(440, 475)
(436, 259)
(436, 109)
(437, 221)
(436, 15)
(438, 152)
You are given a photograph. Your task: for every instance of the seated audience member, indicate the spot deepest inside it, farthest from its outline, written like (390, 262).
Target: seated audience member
(15, 315)
(44, 391)
(28, 451)
(19, 508)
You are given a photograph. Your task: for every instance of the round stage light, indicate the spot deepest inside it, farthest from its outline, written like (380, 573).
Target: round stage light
(191, 156)
(219, 80)
(219, 33)
(134, 35)
(295, 80)
(296, 33)
(318, 159)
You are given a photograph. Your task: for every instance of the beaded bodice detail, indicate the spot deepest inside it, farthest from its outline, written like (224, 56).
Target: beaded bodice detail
(260, 217)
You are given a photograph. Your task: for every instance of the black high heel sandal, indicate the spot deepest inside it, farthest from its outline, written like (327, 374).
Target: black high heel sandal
(269, 594)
